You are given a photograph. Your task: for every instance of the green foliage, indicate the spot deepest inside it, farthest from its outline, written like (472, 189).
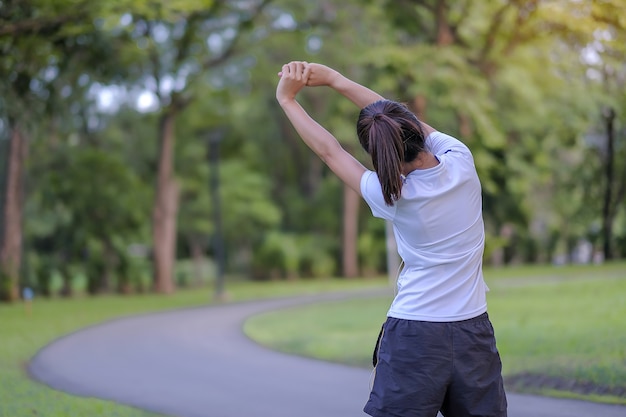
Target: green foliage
(523, 84)
(290, 256)
(101, 193)
(248, 209)
(372, 247)
(278, 252)
(95, 207)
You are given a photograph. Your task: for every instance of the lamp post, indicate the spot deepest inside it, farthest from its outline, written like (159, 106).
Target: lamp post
(5, 146)
(4, 152)
(607, 215)
(215, 137)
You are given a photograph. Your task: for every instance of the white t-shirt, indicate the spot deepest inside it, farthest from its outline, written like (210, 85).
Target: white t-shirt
(439, 230)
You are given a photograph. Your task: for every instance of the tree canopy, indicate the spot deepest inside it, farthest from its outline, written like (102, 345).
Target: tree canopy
(108, 111)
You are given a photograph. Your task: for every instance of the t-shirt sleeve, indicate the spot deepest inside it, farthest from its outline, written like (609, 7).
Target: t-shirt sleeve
(372, 193)
(439, 143)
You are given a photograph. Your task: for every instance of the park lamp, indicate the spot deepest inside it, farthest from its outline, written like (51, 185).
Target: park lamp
(214, 138)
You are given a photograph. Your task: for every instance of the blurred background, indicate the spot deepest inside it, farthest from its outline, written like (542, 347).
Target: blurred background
(142, 149)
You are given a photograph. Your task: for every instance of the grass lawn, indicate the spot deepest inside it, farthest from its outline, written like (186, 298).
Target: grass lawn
(562, 323)
(22, 335)
(561, 330)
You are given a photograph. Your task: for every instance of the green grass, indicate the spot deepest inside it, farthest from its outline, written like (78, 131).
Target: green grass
(557, 321)
(563, 329)
(566, 327)
(22, 335)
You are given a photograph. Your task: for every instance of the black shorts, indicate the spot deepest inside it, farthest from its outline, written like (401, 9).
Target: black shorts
(426, 367)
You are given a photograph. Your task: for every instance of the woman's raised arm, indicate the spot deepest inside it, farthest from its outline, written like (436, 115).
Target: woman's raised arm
(321, 75)
(293, 78)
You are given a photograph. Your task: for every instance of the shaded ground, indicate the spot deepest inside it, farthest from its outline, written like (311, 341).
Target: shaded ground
(529, 382)
(198, 363)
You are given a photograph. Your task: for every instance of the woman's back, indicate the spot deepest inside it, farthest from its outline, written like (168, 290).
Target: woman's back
(440, 234)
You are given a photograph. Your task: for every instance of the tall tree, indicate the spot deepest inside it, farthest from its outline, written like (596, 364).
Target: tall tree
(606, 61)
(321, 31)
(181, 43)
(11, 249)
(36, 38)
(498, 70)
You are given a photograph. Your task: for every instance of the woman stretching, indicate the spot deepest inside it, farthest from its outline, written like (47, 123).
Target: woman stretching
(437, 349)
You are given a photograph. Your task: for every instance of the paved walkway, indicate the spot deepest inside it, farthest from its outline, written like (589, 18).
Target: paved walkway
(198, 363)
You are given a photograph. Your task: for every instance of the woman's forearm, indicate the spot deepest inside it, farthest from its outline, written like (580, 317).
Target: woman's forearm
(363, 96)
(355, 92)
(322, 142)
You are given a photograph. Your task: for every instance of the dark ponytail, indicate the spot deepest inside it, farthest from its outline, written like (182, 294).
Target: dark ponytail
(391, 134)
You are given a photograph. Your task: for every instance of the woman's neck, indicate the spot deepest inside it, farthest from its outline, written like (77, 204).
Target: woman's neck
(424, 160)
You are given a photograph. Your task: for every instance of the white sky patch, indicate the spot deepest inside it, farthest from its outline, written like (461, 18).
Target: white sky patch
(285, 21)
(110, 98)
(314, 44)
(215, 43)
(66, 91)
(50, 73)
(126, 19)
(147, 101)
(594, 74)
(107, 97)
(603, 35)
(590, 55)
(160, 33)
(229, 33)
(83, 80)
(167, 85)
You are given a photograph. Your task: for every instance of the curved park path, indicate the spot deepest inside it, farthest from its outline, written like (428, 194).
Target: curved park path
(198, 363)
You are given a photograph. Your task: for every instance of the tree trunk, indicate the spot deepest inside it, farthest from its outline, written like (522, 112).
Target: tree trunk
(165, 208)
(419, 107)
(11, 241)
(351, 202)
(445, 36)
(465, 126)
